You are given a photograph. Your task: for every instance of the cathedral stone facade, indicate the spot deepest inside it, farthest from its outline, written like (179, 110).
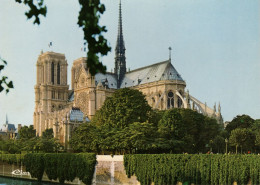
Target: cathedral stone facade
(63, 109)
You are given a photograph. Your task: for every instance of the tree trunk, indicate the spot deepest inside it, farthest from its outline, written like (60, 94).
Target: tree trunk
(236, 148)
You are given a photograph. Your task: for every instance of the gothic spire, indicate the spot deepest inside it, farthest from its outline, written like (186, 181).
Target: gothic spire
(120, 45)
(6, 121)
(120, 63)
(219, 108)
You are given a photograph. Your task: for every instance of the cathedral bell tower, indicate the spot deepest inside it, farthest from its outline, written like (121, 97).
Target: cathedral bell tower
(51, 89)
(120, 63)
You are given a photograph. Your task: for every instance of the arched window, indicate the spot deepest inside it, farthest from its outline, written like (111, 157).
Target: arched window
(180, 100)
(52, 73)
(42, 74)
(58, 73)
(170, 100)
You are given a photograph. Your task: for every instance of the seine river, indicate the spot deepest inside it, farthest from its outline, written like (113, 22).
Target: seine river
(9, 181)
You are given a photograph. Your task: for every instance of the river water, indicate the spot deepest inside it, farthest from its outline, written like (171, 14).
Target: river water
(9, 181)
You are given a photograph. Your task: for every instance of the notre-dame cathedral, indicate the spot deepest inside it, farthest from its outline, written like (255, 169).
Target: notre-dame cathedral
(62, 109)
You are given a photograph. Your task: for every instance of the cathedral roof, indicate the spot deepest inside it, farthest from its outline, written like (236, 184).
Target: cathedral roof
(109, 77)
(152, 73)
(76, 115)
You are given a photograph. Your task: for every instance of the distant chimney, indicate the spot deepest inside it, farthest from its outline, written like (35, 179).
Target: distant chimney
(19, 127)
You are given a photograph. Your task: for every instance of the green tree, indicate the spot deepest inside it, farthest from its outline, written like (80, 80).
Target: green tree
(219, 144)
(31, 143)
(210, 130)
(10, 146)
(48, 134)
(27, 132)
(86, 138)
(28, 145)
(239, 121)
(47, 145)
(242, 137)
(119, 126)
(126, 106)
(172, 131)
(257, 140)
(185, 130)
(140, 137)
(256, 125)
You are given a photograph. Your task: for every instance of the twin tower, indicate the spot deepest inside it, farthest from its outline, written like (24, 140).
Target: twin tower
(52, 94)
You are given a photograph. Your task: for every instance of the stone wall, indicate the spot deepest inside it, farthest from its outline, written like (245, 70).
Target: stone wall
(110, 170)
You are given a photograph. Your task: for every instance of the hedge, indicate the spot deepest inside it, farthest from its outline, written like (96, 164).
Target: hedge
(163, 169)
(12, 158)
(69, 166)
(66, 166)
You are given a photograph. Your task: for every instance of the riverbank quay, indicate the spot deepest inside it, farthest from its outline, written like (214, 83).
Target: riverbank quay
(161, 169)
(108, 170)
(4, 180)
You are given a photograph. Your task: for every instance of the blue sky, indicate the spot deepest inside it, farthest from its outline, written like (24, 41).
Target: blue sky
(216, 47)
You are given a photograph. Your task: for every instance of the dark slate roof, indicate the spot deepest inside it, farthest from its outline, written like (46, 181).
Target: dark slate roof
(152, 73)
(109, 77)
(76, 114)
(156, 72)
(8, 127)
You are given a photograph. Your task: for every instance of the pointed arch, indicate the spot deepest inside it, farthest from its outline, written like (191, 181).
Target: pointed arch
(58, 73)
(52, 73)
(170, 100)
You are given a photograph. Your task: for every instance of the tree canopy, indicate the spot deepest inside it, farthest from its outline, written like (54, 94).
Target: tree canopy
(124, 107)
(127, 124)
(243, 132)
(29, 142)
(188, 130)
(27, 132)
(240, 121)
(241, 137)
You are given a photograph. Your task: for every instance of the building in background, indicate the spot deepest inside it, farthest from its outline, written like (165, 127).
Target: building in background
(8, 130)
(63, 109)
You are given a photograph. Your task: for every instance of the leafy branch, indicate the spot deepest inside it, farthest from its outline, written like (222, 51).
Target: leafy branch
(4, 83)
(97, 45)
(36, 9)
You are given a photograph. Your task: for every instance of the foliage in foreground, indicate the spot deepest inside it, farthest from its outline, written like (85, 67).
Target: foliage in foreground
(12, 158)
(163, 169)
(61, 166)
(4, 83)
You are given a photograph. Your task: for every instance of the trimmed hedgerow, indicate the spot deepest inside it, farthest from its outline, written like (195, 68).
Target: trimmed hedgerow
(34, 164)
(63, 167)
(163, 169)
(12, 158)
